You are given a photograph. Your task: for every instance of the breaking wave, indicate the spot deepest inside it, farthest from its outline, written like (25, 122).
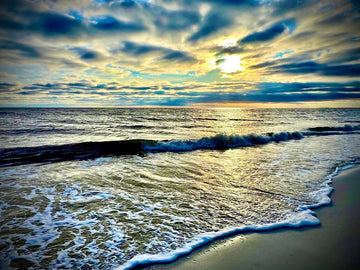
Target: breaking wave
(92, 150)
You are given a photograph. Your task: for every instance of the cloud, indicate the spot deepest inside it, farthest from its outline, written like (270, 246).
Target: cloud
(285, 92)
(6, 87)
(26, 17)
(281, 7)
(212, 23)
(139, 49)
(87, 54)
(229, 50)
(304, 35)
(55, 24)
(270, 33)
(158, 15)
(136, 49)
(125, 4)
(344, 56)
(7, 75)
(322, 69)
(112, 93)
(175, 20)
(23, 49)
(249, 3)
(178, 56)
(111, 24)
(343, 17)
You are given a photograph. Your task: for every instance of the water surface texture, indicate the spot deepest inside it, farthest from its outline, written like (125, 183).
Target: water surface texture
(112, 188)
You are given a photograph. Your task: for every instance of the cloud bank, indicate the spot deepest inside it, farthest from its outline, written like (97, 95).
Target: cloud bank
(159, 52)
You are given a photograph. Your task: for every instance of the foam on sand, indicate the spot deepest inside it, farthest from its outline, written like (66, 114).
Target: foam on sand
(305, 217)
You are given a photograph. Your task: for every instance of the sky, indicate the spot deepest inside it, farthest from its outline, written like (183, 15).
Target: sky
(86, 53)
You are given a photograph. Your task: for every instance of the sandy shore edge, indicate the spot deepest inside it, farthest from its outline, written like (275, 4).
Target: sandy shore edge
(335, 244)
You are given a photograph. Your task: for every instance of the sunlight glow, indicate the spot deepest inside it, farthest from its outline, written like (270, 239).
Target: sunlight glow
(230, 64)
(229, 42)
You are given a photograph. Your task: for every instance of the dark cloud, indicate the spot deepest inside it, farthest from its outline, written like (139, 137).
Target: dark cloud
(270, 33)
(55, 24)
(345, 17)
(212, 23)
(303, 35)
(162, 18)
(282, 7)
(285, 92)
(292, 92)
(321, 69)
(356, 5)
(174, 87)
(26, 17)
(263, 65)
(175, 20)
(23, 49)
(6, 86)
(303, 67)
(276, 88)
(178, 56)
(140, 49)
(345, 56)
(342, 70)
(7, 23)
(139, 87)
(111, 24)
(220, 50)
(153, 95)
(266, 35)
(340, 64)
(78, 84)
(248, 3)
(47, 85)
(22, 16)
(87, 54)
(126, 4)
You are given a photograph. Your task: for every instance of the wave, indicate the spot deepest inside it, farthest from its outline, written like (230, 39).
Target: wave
(77, 151)
(305, 217)
(92, 150)
(344, 128)
(246, 120)
(221, 142)
(23, 131)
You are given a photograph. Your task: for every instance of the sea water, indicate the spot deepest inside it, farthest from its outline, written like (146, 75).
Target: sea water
(119, 187)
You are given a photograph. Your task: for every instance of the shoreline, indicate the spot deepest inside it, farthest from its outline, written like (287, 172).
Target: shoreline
(334, 244)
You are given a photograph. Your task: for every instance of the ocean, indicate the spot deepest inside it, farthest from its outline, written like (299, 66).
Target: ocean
(116, 188)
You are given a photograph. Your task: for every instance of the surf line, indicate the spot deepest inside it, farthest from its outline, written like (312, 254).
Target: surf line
(93, 150)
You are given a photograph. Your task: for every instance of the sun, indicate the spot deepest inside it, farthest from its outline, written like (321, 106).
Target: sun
(230, 64)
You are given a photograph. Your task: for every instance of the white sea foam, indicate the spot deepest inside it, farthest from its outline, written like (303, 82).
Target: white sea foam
(304, 217)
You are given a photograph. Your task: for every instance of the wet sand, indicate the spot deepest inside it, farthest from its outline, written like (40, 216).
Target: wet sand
(335, 244)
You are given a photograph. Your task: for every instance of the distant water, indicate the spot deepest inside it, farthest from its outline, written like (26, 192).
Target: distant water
(115, 188)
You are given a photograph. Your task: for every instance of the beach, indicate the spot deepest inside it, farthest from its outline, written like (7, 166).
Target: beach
(335, 244)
